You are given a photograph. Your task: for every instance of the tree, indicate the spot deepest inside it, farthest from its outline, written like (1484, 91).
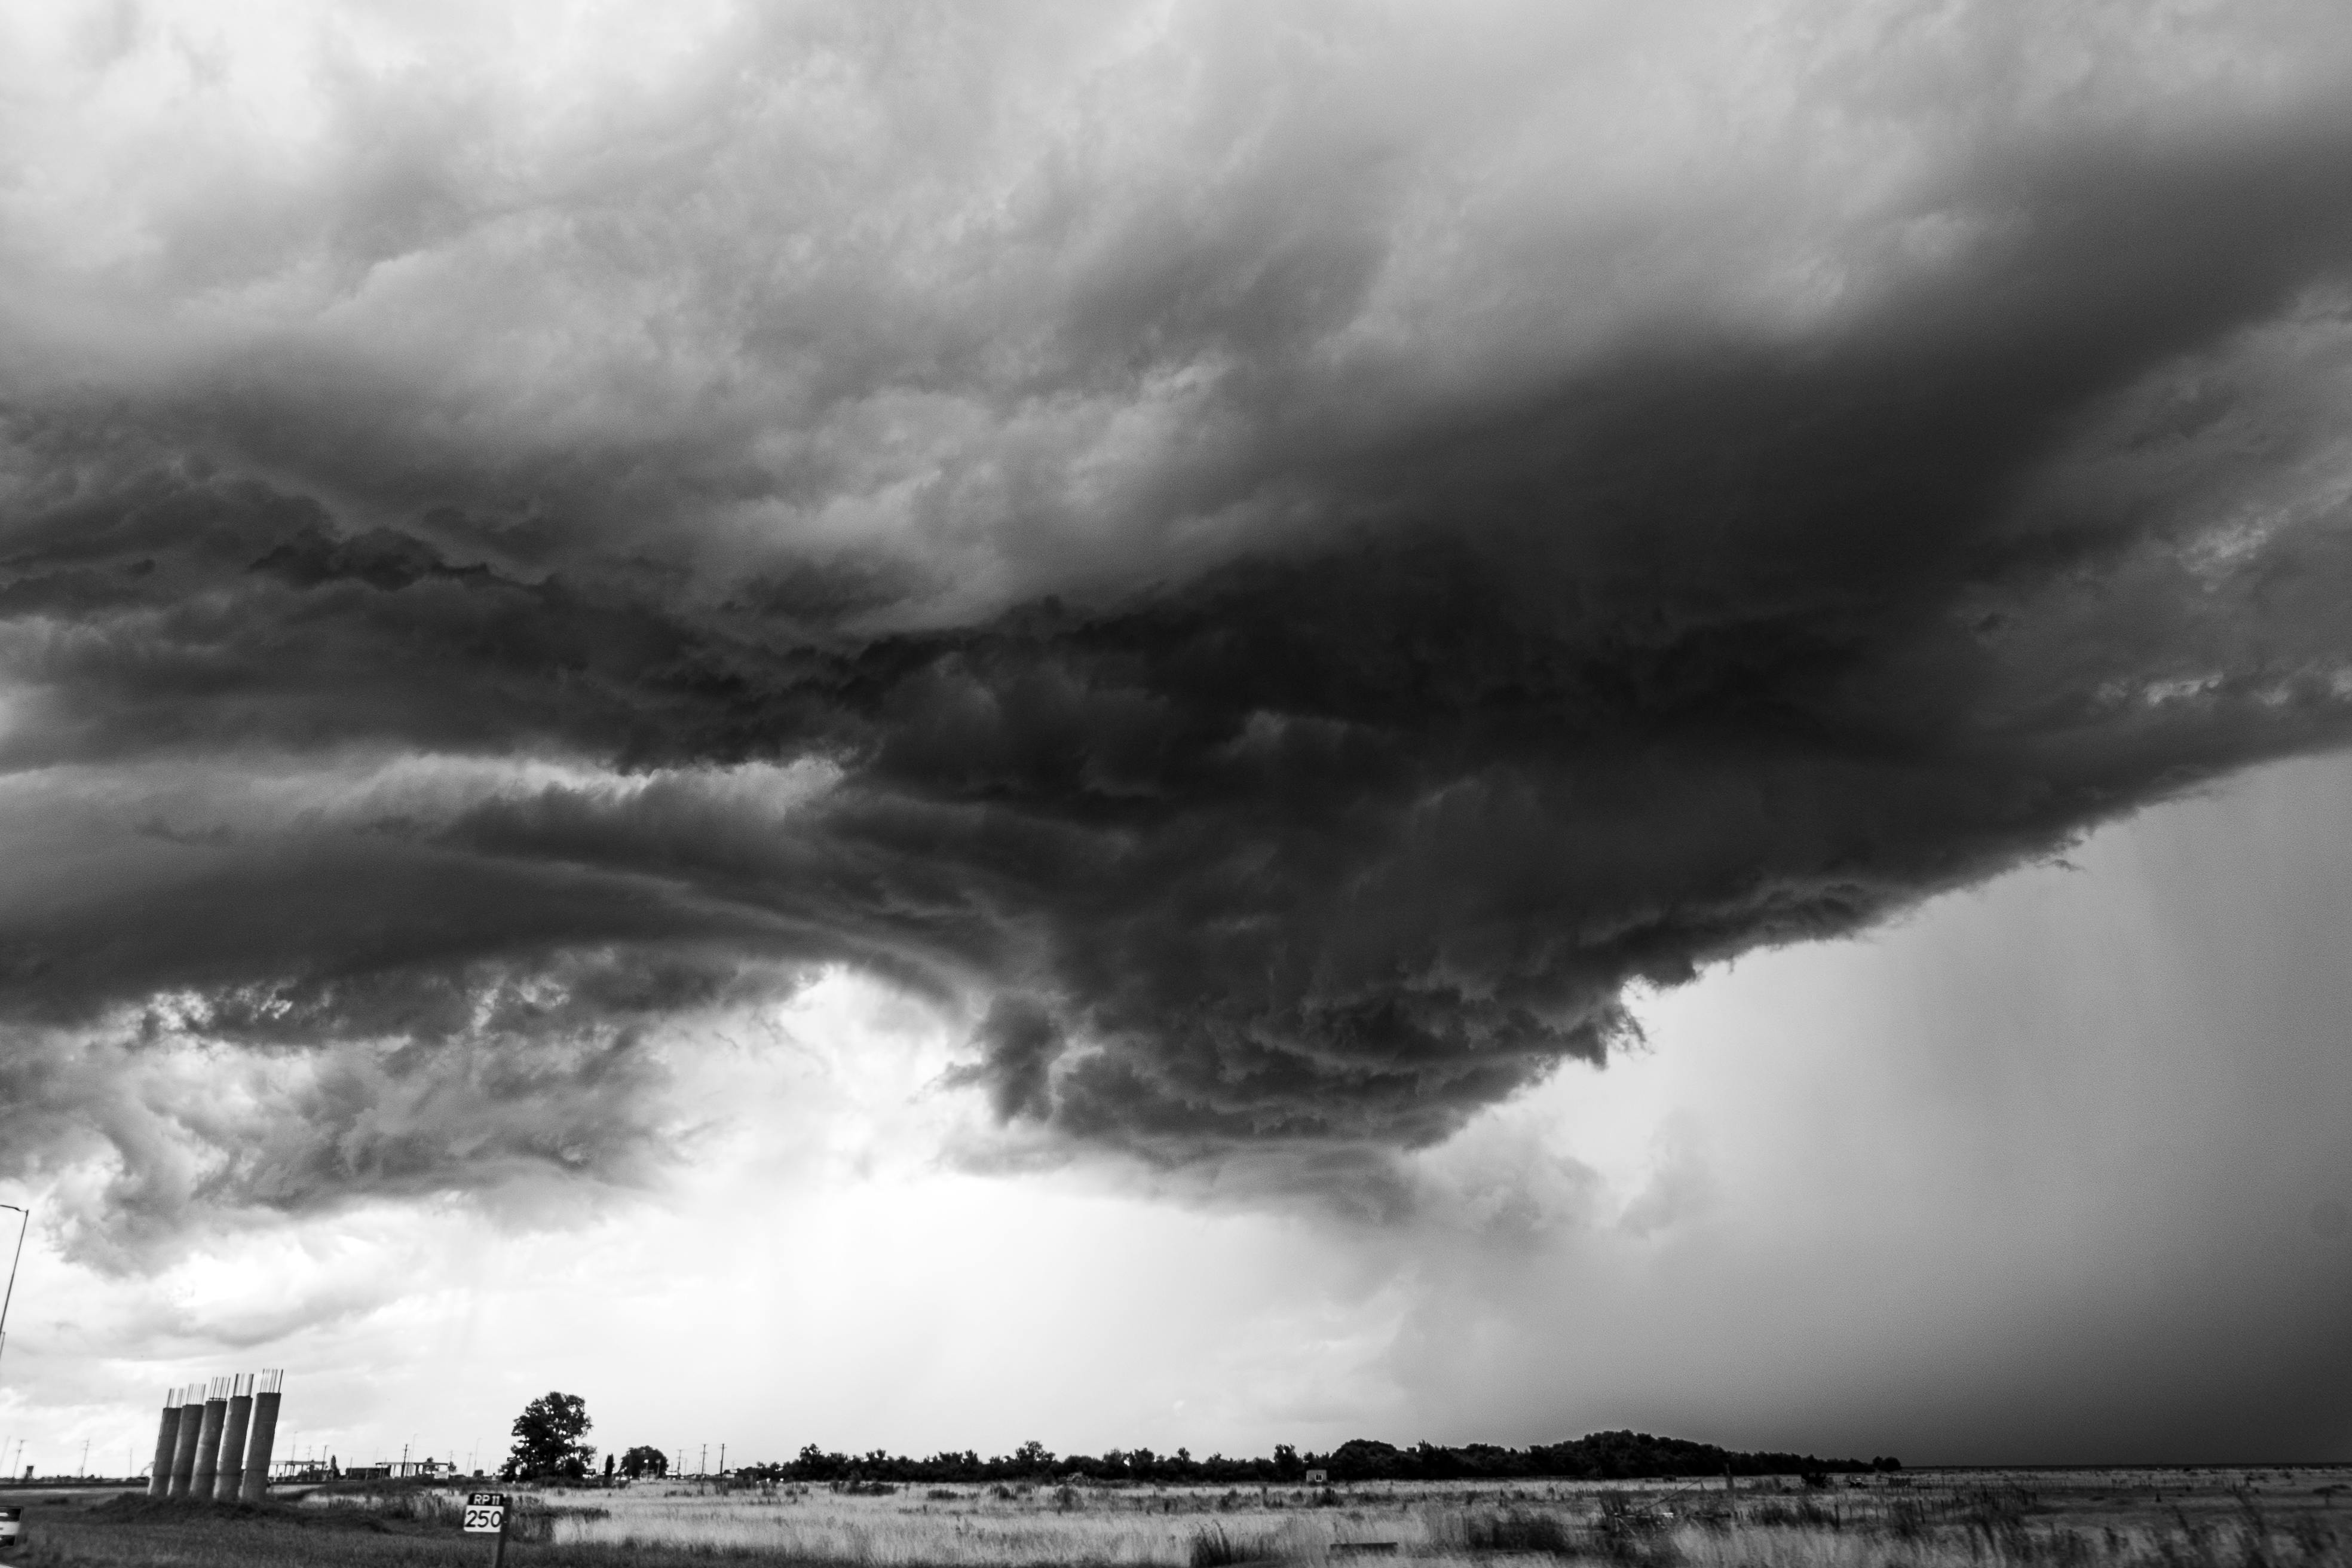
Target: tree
(642, 1461)
(816, 1465)
(547, 1440)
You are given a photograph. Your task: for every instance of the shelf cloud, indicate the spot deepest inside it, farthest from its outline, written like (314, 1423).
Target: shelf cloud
(1279, 559)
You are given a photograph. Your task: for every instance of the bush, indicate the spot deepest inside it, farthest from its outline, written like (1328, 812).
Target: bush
(1518, 1530)
(1632, 1533)
(1213, 1548)
(535, 1525)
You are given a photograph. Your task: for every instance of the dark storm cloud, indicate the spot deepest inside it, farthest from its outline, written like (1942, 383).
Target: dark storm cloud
(508, 1109)
(1292, 723)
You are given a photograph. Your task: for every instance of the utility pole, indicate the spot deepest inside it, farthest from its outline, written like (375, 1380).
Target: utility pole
(23, 1219)
(722, 1459)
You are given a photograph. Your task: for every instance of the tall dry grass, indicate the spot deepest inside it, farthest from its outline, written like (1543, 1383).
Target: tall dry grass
(2204, 1522)
(1202, 1527)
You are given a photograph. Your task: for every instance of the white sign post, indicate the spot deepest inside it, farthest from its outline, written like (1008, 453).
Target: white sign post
(486, 1514)
(10, 1522)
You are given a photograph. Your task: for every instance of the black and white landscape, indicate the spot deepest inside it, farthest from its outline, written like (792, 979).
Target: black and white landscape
(1190, 724)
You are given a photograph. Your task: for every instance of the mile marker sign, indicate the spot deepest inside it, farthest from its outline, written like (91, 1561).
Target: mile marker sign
(485, 1514)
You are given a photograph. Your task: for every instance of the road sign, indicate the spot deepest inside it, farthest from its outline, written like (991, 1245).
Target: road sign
(10, 1520)
(485, 1514)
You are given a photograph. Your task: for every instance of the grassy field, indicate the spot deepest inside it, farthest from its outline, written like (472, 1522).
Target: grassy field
(2265, 1518)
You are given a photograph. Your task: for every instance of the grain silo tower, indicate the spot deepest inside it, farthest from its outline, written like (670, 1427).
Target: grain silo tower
(265, 1436)
(167, 1443)
(232, 1437)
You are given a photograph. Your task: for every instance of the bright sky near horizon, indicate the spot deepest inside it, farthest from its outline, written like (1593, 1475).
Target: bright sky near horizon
(1182, 724)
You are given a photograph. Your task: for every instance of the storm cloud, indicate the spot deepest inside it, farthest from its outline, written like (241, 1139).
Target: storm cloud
(1277, 558)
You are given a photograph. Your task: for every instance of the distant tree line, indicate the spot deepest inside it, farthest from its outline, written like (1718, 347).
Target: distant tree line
(1604, 1455)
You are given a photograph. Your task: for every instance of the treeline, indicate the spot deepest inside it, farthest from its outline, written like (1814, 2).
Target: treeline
(1604, 1455)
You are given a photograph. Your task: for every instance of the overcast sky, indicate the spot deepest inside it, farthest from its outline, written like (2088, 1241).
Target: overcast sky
(1181, 724)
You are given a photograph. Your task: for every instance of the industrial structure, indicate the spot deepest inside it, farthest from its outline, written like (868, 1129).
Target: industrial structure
(214, 1442)
(200, 1483)
(167, 1443)
(183, 1454)
(232, 1437)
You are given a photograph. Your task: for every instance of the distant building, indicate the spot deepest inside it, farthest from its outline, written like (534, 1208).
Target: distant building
(401, 1470)
(422, 1469)
(1317, 1477)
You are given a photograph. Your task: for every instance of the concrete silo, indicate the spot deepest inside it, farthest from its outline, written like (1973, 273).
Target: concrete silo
(232, 1437)
(200, 1481)
(167, 1443)
(183, 1441)
(265, 1436)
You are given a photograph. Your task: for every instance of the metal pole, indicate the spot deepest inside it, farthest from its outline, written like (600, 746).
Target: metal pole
(24, 1220)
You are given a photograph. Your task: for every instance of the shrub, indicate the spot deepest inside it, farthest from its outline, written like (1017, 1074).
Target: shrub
(1213, 1548)
(1518, 1530)
(1630, 1532)
(426, 1508)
